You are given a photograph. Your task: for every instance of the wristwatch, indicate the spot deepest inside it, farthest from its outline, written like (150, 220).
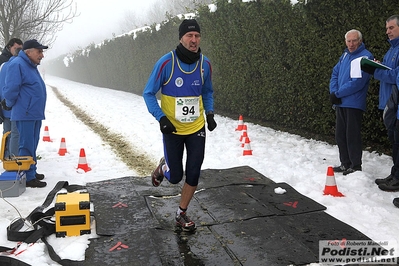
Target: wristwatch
(209, 113)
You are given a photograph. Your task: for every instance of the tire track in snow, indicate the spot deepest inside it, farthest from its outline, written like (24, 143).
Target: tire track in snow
(128, 153)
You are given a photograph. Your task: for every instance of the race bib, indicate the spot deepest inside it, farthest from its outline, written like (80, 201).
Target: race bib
(187, 109)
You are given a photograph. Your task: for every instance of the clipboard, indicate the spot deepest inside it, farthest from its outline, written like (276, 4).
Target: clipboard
(367, 62)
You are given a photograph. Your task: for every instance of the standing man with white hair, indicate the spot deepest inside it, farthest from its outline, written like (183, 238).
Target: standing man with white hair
(25, 95)
(348, 95)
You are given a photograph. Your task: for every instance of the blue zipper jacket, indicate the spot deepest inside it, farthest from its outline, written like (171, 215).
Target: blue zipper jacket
(3, 72)
(387, 78)
(351, 91)
(24, 90)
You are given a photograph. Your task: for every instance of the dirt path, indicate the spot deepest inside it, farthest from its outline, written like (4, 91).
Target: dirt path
(127, 153)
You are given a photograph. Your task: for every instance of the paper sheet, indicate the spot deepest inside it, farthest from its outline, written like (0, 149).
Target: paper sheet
(356, 71)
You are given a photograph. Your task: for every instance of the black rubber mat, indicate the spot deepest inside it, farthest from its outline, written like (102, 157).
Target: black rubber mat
(263, 241)
(118, 206)
(232, 176)
(310, 228)
(240, 219)
(289, 203)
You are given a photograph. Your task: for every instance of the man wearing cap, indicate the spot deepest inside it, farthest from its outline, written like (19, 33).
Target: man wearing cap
(184, 77)
(25, 95)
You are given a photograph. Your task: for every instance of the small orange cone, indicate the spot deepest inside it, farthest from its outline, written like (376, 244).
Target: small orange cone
(331, 186)
(46, 136)
(247, 148)
(243, 137)
(62, 151)
(244, 132)
(240, 123)
(82, 161)
(245, 140)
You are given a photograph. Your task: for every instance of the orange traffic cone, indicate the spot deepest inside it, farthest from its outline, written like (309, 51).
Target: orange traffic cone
(247, 148)
(331, 187)
(243, 137)
(62, 151)
(240, 123)
(82, 161)
(245, 141)
(244, 132)
(46, 136)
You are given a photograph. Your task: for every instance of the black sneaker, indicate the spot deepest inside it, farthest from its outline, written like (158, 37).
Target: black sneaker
(185, 223)
(39, 176)
(380, 181)
(392, 185)
(157, 175)
(396, 202)
(352, 170)
(339, 169)
(35, 183)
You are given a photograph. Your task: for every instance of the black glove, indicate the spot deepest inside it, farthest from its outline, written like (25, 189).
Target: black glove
(211, 122)
(166, 126)
(368, 69)
(334, 99)
(1, 116)
(4, 106)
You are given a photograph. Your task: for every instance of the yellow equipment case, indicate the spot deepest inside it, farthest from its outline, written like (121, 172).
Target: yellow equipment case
(72, 214)
(15, 163)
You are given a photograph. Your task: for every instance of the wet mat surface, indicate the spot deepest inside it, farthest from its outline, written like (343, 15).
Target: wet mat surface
(240, 221)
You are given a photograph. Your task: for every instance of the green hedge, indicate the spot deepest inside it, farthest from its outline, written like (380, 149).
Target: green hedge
(272, 61)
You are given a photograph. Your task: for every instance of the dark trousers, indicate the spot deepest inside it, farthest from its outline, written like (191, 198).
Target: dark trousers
(174, 149)
(393, 137)
(395, 150)
(348, 136)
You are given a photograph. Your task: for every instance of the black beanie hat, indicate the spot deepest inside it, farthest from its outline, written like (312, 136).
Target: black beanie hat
(188, 25)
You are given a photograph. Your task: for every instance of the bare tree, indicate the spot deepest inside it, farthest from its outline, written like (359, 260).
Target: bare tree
(39, 19)
(130, 21)
(175, 7)
(163, 9)
(160, 11)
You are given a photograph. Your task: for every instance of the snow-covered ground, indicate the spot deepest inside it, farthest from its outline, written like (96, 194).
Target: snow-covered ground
(280, 156)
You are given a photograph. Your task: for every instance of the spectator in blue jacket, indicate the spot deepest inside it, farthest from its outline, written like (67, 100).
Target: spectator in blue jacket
(8, 52)
(387, 80)
(348, 95)
(25, 95)
(12, 144)
(391, 183)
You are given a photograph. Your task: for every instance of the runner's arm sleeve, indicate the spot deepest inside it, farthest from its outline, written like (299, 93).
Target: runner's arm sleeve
(153, 85)
(207, 88)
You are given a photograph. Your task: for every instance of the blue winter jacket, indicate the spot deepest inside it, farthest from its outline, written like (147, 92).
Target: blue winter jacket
(3, 83)
(351, 91)
(24, 90)
(387, 78)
